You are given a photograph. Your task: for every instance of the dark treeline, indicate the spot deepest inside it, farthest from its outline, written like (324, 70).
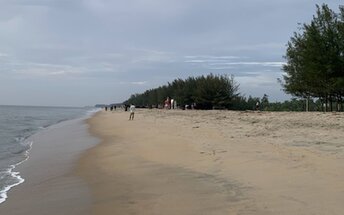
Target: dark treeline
(315, 59)
(213, 92)
(290, 105)
(206, 92)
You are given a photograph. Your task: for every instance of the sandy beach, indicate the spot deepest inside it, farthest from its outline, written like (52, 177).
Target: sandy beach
(216, 162)
(185, 162)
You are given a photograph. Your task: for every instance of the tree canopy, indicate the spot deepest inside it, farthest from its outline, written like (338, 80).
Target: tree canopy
(315, 58)
(207, 92)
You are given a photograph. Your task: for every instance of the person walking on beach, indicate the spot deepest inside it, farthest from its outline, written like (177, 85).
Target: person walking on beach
(132, 112)
(257, 105)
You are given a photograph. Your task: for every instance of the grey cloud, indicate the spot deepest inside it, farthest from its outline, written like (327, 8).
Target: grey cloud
(121, 47)
(229, 62)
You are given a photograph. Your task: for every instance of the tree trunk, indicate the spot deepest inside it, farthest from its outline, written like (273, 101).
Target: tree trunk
(307, 104)
(339, 104)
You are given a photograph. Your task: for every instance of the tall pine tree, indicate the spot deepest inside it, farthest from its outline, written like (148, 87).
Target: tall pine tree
(315, 65)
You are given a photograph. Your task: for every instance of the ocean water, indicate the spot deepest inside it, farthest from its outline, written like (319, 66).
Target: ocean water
(17, 123)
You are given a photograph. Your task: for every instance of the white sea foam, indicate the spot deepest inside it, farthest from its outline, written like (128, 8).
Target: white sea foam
(92, 112)
(26, 121)
(3, 192)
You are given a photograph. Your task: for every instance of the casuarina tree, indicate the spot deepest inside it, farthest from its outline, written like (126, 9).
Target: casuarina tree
(315, 58)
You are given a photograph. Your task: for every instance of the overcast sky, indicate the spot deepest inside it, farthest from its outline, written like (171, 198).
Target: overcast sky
(83, 52)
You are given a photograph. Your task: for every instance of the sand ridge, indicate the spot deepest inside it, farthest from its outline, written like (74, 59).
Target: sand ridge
(216, 162)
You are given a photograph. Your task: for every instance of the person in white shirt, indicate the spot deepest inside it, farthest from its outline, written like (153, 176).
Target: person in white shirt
(132, 112)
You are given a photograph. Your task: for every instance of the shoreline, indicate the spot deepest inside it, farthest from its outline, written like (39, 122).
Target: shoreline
(215, 162)
(50, 186)
(185, 162)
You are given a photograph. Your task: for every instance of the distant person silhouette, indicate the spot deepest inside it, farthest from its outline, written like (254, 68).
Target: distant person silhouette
(132, 112)
(257, 105)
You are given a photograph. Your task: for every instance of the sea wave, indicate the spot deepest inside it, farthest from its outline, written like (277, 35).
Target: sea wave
(15, 143)
(91, 112)
(9, 178)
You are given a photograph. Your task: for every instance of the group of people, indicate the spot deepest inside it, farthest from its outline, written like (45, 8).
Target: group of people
(131, 110)
(170, 103)
(114, 107)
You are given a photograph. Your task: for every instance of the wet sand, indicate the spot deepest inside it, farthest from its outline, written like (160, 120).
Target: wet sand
(50, 186)
(216, 162)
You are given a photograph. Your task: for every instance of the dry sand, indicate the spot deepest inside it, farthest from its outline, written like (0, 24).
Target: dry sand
(216, 162)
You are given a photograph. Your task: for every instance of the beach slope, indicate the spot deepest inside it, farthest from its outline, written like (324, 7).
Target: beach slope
(216, 162)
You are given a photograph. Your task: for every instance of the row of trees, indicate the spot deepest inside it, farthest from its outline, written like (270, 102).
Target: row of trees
(213, 92)
(315, 59)
(243, 103)
(207, 92)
